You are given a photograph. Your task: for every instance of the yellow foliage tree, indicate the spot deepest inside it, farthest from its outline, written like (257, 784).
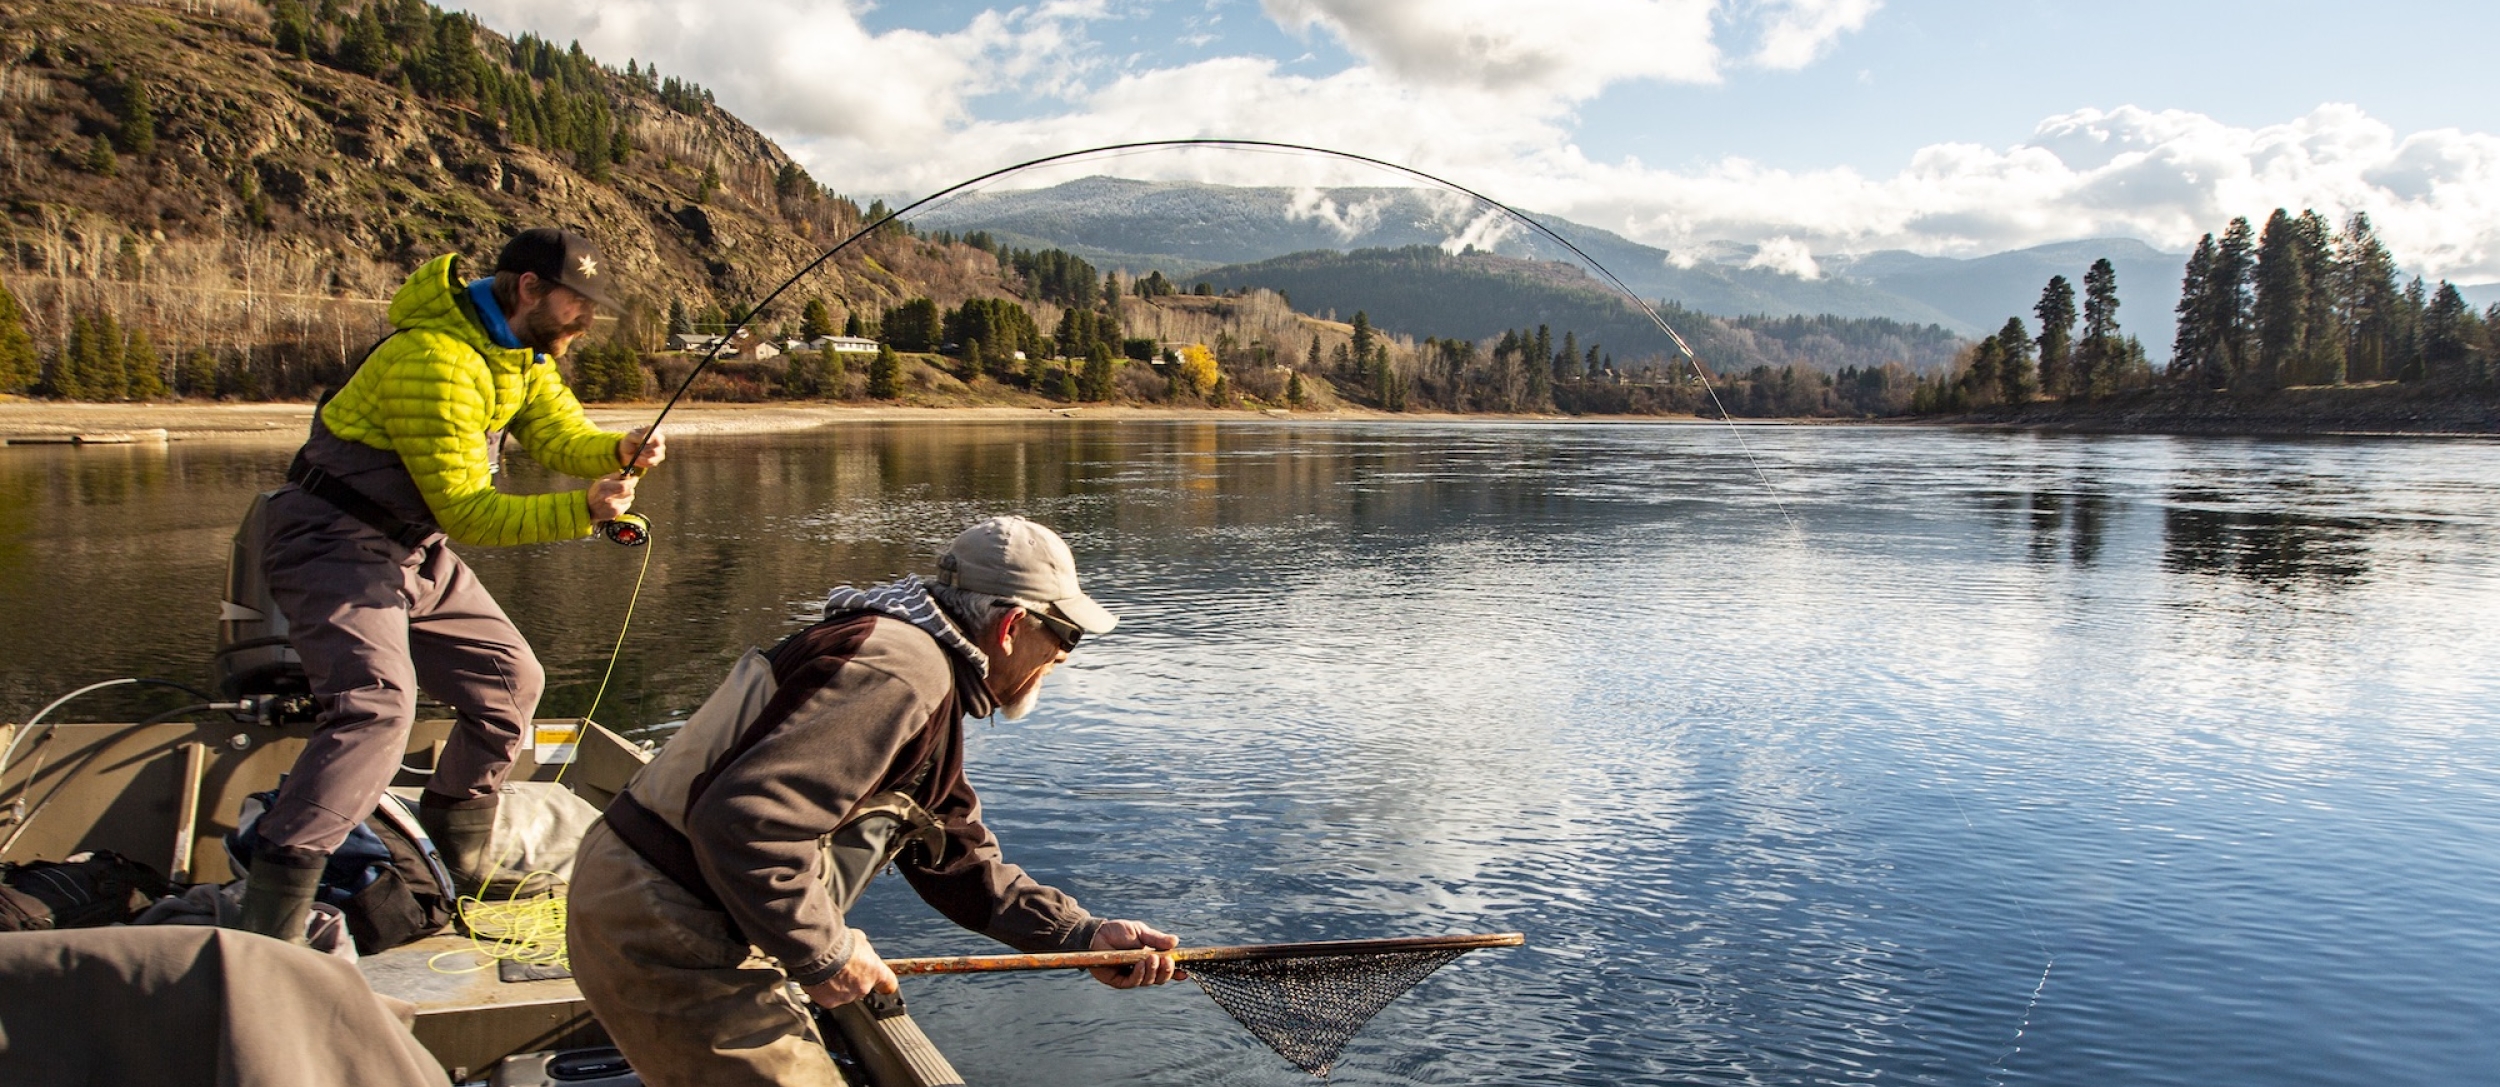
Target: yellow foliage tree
(1197, 370)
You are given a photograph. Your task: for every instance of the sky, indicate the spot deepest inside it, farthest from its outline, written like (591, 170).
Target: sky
(1805, 127)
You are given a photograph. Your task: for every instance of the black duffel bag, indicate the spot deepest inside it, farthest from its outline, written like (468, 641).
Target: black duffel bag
(89, 889)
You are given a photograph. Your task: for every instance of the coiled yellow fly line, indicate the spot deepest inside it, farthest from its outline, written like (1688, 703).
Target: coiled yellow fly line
(526, 928)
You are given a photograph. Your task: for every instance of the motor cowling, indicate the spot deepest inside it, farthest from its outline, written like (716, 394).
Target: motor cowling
(255, 660)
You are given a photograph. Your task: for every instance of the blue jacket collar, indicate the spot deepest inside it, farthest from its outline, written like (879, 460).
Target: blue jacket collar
(482, 295)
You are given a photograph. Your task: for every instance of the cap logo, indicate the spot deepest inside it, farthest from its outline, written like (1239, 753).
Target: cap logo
(588, 266)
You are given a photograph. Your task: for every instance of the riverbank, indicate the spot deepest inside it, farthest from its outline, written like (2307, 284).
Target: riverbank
(32, 422)
(2313, 411)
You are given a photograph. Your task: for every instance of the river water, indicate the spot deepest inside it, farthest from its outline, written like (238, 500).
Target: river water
(1800, 754)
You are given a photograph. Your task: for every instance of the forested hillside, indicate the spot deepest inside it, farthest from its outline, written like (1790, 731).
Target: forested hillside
(237, 187)
(1422, 291)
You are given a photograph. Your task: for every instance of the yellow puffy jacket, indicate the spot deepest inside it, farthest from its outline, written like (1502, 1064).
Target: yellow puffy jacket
(433, 392)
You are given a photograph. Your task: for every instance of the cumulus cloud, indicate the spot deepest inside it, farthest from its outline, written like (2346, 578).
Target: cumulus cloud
(809, 67)
(1470, 90)
(1800, 32)
(1566, 48)
(2162, 176)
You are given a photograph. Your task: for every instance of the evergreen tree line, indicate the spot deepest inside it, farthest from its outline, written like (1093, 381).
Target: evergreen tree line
(532, 91)
(2302, 303)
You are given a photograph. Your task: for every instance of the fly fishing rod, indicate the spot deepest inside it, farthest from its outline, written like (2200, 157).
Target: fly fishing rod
(1082, 960)
(633, 530)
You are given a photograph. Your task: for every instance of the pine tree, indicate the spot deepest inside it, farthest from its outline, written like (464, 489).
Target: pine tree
(197, 376)
(1312, 363)
(1099, 368)
(2056, 311)
(817, 322)
(885, 376)
(138, 119)
(1294, 392)
(145, 367)
(2282, 302)
(2321, 359)
(100, 158)
(2448, 334)
(973, 362)
(2195, 352)
(1567, 363)
(20, 366)
(2367, 298)
(851, 326)
(2100, 354)
(2017, 379)
(1984, 379)
(366, 49)
(292, 26)
(2410, 311)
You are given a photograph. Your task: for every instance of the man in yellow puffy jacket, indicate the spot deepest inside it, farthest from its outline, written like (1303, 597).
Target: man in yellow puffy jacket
(402, 461)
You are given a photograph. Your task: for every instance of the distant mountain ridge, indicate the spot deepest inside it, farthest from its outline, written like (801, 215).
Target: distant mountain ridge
(1421, 291)
(1184, 228)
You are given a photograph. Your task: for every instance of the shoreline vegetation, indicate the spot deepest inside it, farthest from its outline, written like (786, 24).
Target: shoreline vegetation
(2386, 409)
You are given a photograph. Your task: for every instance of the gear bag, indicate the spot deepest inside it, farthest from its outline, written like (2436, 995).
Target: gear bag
(385, 878)
(89, 889)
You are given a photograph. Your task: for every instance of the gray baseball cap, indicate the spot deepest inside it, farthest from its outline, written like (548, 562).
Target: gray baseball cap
(1016, 558)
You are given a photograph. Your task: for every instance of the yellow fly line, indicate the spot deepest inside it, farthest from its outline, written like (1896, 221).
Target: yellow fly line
(530, 930)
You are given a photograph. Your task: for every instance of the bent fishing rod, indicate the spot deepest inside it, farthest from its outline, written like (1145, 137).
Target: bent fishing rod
(633, 529)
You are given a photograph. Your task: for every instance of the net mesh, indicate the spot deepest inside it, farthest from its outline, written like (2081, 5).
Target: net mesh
(1308, 1008)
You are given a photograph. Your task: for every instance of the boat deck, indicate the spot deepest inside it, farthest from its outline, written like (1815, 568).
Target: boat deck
(468, 1015)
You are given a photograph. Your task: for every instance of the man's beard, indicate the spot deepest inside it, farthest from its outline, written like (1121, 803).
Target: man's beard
(1023, 705)
(539, 331)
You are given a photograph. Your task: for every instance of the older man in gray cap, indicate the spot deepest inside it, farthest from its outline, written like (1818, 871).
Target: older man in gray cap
(725, 868)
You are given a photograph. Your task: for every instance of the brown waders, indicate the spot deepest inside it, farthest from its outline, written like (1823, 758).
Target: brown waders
(678, 988)
(376, 621)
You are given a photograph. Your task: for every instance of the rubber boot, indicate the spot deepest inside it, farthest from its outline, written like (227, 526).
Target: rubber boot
(464, 834)
(277, 899)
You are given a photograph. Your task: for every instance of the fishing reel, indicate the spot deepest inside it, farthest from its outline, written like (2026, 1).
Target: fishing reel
(627, 530)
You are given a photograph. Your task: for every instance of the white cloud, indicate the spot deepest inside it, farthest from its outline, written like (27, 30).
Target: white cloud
(1561, 48)
(1470, 90)
(1786, 254)
(2164, 177)
(809, 66)
(1802, 31)
(1348, 222)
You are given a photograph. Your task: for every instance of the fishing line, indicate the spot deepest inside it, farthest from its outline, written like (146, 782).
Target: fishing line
(2024, 1027)
(1122, 150)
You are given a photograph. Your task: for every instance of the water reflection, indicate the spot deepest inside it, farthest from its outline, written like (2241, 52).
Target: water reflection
(1797, 760)
(2272, 548)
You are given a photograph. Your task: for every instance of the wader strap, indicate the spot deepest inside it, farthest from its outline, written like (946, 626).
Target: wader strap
(337, 492)
(352, 502)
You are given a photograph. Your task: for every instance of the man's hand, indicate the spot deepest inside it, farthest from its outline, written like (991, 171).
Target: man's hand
(1123, 935)
(644, 447)
(864, 974)
(610, 496)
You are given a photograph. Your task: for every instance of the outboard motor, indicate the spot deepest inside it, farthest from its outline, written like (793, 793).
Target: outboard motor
(255, 662)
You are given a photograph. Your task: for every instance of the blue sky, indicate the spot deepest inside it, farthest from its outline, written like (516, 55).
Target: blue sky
(1804, 126)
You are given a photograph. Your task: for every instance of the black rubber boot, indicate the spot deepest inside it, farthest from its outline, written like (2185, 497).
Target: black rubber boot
(464, 833)
(277, 899)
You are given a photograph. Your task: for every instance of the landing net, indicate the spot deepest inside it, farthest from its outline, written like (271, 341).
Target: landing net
(1307, 1009)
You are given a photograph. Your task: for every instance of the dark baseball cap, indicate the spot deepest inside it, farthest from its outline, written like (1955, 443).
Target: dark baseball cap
(561, 256)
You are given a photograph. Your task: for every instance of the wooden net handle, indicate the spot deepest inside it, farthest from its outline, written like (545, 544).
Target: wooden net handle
(1076, 960)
